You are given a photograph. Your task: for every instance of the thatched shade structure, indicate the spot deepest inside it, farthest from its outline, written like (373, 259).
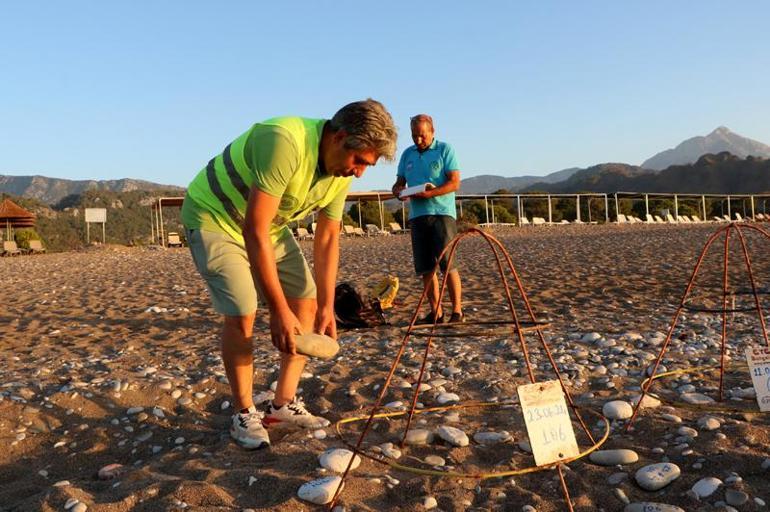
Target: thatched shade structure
(14, 216)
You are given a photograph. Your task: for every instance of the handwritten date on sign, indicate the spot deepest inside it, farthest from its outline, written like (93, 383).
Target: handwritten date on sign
(548, 423)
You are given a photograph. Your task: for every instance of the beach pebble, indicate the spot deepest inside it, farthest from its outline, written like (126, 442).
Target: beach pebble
(648, 506)
(419, 436)
(319, 491)
(71, 503)
(110, 471)
(453, 435)
(524, 446)
(491, 437)
(649, 402)
(390, 451)
(591, 337)
(429, 503)
(616, 478)
(687, 431)
(657, 476)
(696, 398)
(80, 507)
(337, 459)
(736, 498)
(613, 457)
(435, 460)
(617, 410)
(673, 418)
(708, 423)
(705, 487)
(224, 405)
(319, 434)
(445, 398)
(176, 393)
(134, 410)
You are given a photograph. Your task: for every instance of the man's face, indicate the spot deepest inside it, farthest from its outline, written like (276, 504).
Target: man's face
(344, 162)
(422, 135)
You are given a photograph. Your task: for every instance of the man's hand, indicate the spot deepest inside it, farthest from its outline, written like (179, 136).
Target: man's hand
(397, 188)
(427, 194)
(325, 322)
(283, 326)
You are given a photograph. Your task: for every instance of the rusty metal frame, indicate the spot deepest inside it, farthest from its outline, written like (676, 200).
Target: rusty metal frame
(739, 229)
(501, 257)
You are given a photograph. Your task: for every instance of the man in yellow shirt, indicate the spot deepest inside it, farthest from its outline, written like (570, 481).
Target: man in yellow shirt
(237, 211)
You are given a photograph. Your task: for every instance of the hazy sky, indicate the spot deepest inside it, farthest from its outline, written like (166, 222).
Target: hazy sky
(152, 90)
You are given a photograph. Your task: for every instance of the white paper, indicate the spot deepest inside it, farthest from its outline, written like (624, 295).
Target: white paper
(410, 191)
(759, 368)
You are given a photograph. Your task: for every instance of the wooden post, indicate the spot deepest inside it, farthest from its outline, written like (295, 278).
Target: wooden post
(550, 216)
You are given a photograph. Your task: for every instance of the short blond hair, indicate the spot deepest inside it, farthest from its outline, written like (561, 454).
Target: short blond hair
(369, 126)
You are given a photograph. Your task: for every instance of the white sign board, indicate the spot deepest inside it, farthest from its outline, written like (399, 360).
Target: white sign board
(759, 368)
(548, 423)
(96, 214)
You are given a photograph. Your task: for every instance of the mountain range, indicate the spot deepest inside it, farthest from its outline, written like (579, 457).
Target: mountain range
(666, 171)
(53, 190)
(718, 141)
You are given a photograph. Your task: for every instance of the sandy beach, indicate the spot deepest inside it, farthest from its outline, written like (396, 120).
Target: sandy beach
(111, 357)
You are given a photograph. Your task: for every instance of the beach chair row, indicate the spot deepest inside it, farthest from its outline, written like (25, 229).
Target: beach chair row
(10, 248)
(394, 228)
(630, 219)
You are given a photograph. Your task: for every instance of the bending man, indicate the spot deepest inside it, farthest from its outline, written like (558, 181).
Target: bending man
(237, 213)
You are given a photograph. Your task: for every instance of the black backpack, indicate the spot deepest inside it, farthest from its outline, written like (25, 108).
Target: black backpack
(354, 309)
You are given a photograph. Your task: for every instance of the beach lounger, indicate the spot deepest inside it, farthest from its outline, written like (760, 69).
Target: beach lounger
(10, 248)
(303, 234)
(174, 240)
(649, 219)
(538, 221)
(738, 217)
(373, 230)
(695, 218)
(348, 230)
(396, 228)
(36, 247)
(684, 218)
(670, 219)
(358, 232)
(622, 219)
(524, 221)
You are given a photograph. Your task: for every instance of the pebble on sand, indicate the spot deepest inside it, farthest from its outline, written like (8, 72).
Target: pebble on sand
(657, 476)
(319, 491)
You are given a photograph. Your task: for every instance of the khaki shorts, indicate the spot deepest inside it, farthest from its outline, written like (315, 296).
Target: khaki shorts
(224, 264)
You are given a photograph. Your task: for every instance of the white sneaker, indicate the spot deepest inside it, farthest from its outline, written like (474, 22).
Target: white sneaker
(293, 413)
(247, 429)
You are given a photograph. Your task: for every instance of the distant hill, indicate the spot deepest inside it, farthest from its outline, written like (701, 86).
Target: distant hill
(601, 177)
(720, 173)
(721, 139)
(488, 183)
(53, 190)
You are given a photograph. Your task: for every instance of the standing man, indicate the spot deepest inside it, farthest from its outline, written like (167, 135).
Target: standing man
(237, 213)
(432, 213)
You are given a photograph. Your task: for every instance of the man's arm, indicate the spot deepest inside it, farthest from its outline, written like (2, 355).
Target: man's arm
(260, 211)
(326, 258)
(452, 184)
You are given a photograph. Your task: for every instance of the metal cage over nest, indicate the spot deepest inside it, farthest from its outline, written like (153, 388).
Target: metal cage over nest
(726, 300)
(518, 326)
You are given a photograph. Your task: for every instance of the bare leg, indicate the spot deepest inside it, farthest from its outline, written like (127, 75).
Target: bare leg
(430, 282)
(455, 291)
(238, 358)
(292, 366)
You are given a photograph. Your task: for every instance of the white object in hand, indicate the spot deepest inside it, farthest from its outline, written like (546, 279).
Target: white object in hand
(410, 191)
(316, 345)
